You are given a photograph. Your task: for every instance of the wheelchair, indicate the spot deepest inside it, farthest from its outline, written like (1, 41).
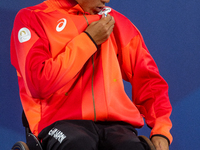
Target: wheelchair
(32, 143)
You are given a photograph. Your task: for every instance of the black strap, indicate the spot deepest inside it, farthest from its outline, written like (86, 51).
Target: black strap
(24, 120)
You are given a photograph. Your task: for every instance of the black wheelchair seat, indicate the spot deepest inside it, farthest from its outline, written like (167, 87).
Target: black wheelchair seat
(32, 143)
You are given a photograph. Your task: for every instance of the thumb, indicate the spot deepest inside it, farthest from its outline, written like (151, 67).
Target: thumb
(103, 15)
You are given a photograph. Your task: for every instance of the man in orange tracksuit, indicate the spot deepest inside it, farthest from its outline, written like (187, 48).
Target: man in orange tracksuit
(71, 58)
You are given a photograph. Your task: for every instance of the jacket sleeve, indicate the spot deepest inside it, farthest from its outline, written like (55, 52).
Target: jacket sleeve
(31, 56)
(149, 89)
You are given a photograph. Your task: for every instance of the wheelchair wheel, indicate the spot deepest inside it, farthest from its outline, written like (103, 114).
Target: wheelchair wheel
(20, 146)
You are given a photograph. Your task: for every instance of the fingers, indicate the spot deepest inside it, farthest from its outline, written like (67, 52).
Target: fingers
(107, 19)
(108, 22)
(103, 16)
(101, 30)
(111, 23)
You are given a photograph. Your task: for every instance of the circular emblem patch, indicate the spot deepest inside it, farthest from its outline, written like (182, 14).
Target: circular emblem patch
(24, 35)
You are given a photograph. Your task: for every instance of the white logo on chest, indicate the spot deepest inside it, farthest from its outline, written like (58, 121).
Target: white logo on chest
(61, 25)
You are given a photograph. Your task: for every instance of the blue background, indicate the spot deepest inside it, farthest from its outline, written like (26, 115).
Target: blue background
(171, 32)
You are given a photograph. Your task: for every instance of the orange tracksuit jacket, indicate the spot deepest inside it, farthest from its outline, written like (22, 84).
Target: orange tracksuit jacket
(62, 75)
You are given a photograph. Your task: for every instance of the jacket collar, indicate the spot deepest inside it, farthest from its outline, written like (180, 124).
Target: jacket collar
(71, 6)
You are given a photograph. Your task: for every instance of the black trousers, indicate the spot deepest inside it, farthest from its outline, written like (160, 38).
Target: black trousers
(89, 135)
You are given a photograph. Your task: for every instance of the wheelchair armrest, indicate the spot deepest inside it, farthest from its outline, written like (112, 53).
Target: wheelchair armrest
(33, 143)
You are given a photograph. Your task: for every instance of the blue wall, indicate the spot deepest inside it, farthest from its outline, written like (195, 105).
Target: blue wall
(171, 32)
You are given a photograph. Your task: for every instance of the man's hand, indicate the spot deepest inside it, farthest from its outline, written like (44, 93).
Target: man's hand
(160, 143)
(101, 30)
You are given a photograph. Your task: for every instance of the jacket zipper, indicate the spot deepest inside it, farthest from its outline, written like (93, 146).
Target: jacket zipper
(92, 78)
(95, 119)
